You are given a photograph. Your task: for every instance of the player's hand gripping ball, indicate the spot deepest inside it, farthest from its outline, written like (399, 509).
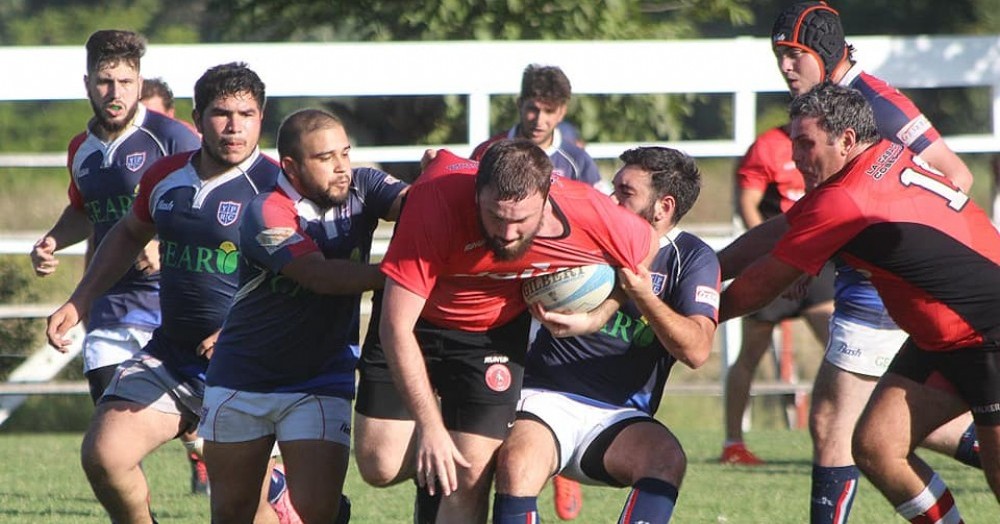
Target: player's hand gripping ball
(571, 290)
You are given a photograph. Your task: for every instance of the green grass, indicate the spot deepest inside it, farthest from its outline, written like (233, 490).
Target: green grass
(41, 481)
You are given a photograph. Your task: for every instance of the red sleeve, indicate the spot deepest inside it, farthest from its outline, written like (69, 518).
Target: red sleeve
(628, 234)
(153, 176)
(415, 255)
(756, 169)
(75, 198)
(819, 226)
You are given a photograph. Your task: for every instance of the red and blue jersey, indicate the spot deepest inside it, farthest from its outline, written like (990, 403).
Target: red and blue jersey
(279, 336)
(899, 121)
(625, 364)
(197, 222)
(104, 178)
(931, 253)
(568, 159)
(438, 251)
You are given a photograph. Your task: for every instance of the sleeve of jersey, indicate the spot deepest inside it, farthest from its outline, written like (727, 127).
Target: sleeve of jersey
(182, 139)
(414, 256)
(754, 171)
(140, 206)
(271, 234)
(698, 285)
(378, 189)
(899, 119)
(626, 237)
(819, 226)
(590, 174)
(75, 198)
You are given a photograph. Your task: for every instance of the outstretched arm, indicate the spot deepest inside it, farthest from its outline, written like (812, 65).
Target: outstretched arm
(437, 455)
(113, 258)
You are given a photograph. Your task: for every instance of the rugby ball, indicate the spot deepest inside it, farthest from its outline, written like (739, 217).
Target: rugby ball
(571, 290)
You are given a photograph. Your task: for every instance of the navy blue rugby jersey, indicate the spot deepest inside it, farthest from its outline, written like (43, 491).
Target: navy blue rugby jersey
(625, 364)
(104, 179)
(568, 159)
(198, 225)
(279, 336)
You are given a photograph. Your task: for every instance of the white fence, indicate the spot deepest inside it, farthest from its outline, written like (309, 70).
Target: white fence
(741, 68)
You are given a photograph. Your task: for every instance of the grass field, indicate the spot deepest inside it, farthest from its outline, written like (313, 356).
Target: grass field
(41, 482)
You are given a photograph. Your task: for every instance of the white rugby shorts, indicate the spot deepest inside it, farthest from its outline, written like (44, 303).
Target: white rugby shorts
(230, 415)
(862, 349)
(112, 346)
(576, 422)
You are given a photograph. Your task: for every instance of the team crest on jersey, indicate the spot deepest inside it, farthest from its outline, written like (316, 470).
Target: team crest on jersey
(135, 161)
(228, 212)
(659, 282)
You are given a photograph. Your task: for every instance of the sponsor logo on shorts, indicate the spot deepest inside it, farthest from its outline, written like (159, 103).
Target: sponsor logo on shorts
(135, 161)
(848, 352)
(987, 409)
(498, 377)
(345, 428)
(228, 212)
(707, 295)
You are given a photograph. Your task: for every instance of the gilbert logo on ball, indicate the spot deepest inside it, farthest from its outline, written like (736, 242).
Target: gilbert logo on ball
(571, 290)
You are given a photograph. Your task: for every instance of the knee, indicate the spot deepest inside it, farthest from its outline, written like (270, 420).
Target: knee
(375, 470)
(666, 462)
(866, 453)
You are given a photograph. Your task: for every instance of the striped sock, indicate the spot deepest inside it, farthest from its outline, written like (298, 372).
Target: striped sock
(651, 501)
(508, 509)
(833, 491)
(934, 505)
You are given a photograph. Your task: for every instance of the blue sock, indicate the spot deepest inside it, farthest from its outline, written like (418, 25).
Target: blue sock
(277, 486)
(514, 510)
(833, 491)
(651, 500)
(968, 448)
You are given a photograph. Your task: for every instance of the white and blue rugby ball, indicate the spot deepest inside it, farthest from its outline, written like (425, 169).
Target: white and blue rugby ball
(571, 290)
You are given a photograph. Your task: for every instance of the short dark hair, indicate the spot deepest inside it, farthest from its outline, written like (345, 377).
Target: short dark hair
(671, 172)
(153, 87)
(837, 108)
(228, 79)
(299, 123)
(545, 83)
(110, 46)
(516, 169)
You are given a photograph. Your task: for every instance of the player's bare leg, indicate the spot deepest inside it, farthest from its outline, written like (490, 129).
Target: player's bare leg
(888, 432)
(315, 472)
(526, 460)
(120, 435)
(838, 398)
(470, 503)
(240, 469)
(383, 450)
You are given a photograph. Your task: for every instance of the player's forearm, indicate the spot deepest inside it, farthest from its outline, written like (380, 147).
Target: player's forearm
(343, 277)
(72, 227)
(409, 374)
(111, 261)
(683, 337)
(751, 246)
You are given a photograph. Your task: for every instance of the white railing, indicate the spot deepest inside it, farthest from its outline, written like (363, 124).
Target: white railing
(740, 68)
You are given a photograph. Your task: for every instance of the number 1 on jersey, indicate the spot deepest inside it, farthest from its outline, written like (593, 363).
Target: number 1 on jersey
(956, 198)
